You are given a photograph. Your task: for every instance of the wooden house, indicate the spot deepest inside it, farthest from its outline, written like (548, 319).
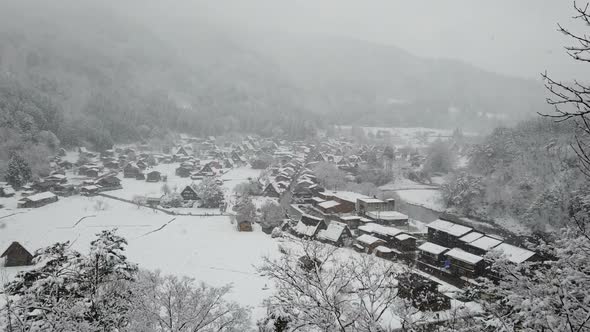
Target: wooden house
(153, 176)
(271, 190)
(244, 226)
(16, 255)
(464, 264)
(446, 233)
(384, 233)
(109, 181)
(89, 190)
(432, 254)
(404, 242)
(336, 234)
(309, 226)
(189, 194)
(364, 205)
(514, 254)
(481, 245)
(140, 176)
(7, 191)
(142, 164)
(385, 252)
(37, 200)
(391, 218)
(182, 151)
(368, 243)
(131, 170)
(184, 171)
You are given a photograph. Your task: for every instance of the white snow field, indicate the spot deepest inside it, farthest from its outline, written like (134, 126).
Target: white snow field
(209, 249)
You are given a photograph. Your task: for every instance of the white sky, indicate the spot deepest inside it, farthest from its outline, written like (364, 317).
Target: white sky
(516, 37)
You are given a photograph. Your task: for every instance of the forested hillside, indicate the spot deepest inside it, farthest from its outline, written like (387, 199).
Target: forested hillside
(529, 173)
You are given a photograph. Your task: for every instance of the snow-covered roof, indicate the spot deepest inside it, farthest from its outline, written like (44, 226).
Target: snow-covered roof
(40, 196)
(348, 196)
(368, 239)
(387, 215)
(304, 229)
(432, 248)
(328, 204)
(463, 256)
(347, 218)
(380, 229)
(8, 190)
(333, 233)
(513, 253)
(449, 227)
(384, 249)
(403, 237)
(371, 200)
(485, 243)
(470, 237)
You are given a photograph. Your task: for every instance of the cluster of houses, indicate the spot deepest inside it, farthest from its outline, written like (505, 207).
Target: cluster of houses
(460, 251)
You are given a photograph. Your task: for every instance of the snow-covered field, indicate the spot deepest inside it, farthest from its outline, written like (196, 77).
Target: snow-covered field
(206, 248)
(430, 199)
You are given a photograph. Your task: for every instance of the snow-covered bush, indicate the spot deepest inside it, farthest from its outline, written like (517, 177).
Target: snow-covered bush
(210, 193)
(172, 200)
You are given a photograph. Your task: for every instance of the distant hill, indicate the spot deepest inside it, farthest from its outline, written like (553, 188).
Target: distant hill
(117, 75)
(354, 81)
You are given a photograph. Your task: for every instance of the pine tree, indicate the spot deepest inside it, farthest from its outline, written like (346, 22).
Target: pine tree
(18, 172)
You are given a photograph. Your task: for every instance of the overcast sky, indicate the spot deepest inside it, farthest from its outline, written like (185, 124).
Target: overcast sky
(516, 37)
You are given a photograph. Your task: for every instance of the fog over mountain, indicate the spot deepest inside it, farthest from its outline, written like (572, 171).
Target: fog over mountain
(199, 63)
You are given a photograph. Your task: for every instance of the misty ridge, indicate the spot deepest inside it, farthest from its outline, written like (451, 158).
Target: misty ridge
(294, 166)
(85, 54)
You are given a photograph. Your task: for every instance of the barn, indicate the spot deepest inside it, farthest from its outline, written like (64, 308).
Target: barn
(154, 176)
(189, 194)
(37, 200)
(17, 255)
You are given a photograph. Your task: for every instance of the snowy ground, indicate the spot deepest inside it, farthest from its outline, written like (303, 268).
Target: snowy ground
(206, 248)
(430, 199)
(405, 184)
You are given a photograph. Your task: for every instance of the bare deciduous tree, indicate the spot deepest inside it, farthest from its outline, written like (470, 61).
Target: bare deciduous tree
(172, 304)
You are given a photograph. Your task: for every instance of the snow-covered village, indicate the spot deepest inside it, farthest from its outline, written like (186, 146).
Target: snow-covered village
(204, 166)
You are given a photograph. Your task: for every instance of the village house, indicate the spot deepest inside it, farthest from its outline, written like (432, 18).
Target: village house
(368, 243)
(388, 217)
(271, 190)
(463, 264)
(37, 200)
(189, 194)
(364, 205)
(336, 234)
(446, 233)
(153, 176)
(109, 181)
(347, 199)
(7, 191)
(514, 254)
(131, 170)
(16, 255)
(309, 226)
(89, 190)
(481, 246)
(431, 254)
(244, 226)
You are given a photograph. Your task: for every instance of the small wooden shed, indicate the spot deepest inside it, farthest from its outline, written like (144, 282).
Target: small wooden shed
(17, 255)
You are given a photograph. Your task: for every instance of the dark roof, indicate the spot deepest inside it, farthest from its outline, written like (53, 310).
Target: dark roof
(15, 246)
